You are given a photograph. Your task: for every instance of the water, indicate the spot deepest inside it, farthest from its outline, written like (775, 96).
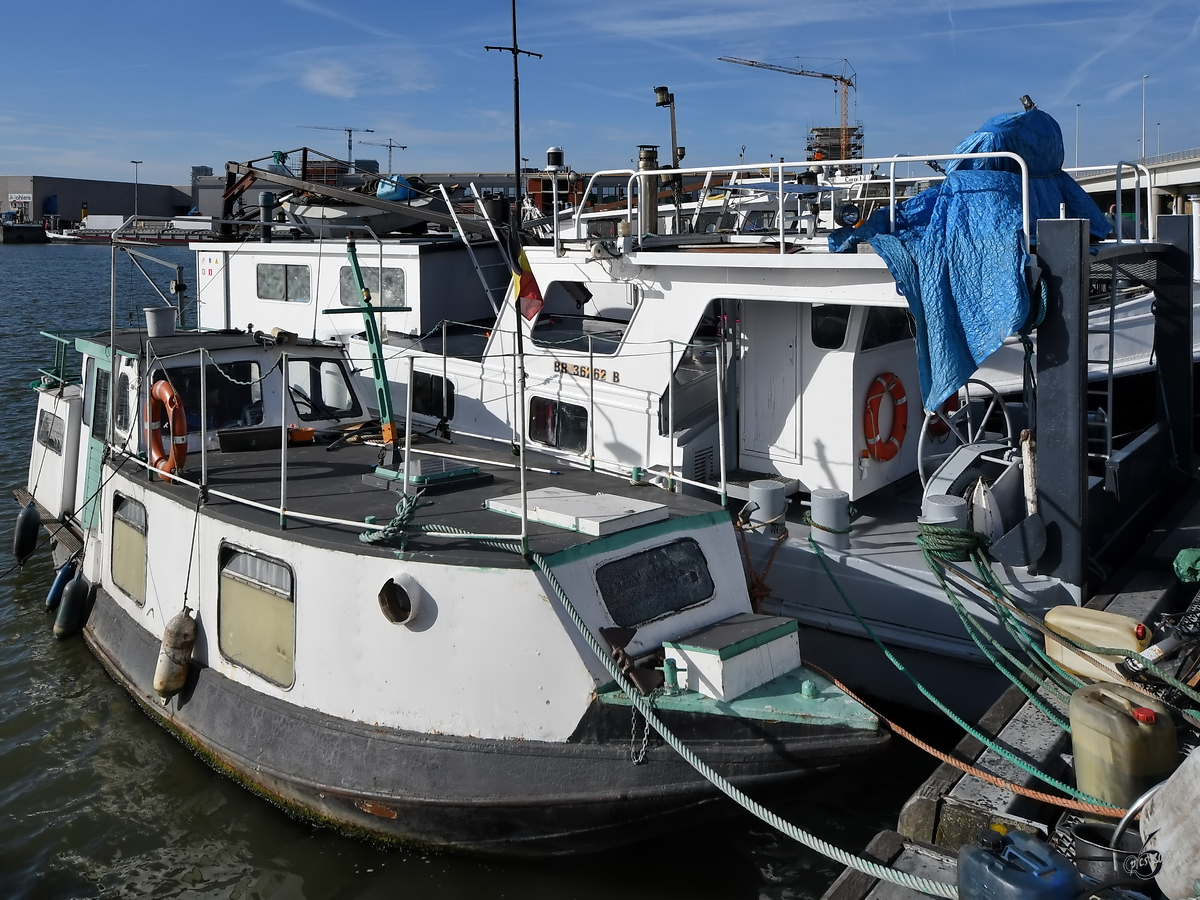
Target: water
(98, 801)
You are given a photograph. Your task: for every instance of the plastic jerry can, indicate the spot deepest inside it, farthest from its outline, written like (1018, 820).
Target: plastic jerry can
(1098, 628)
(1124, 742)
(1017, 866)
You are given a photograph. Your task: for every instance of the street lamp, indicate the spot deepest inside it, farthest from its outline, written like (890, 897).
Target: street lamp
(136, 163)
(1158, 127)
(1144, 77)
(664, 97)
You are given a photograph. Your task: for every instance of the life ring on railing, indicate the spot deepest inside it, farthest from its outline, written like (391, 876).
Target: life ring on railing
(884, 449)
(937, 426)
(164, 399)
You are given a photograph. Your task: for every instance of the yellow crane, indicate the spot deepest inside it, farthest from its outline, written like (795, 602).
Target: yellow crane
(844, 84)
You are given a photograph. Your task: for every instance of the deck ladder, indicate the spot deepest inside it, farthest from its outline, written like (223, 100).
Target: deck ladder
(1101, 446)
(489, 290)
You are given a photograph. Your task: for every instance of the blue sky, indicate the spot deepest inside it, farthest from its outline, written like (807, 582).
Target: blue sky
(88, 86)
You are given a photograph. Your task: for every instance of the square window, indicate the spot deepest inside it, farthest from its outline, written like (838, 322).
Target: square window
(129, 548)
(256, 615)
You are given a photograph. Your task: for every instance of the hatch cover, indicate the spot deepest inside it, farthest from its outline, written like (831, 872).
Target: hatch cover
(594, 514)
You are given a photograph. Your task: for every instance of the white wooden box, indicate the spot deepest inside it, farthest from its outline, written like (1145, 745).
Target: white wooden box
(731, 657)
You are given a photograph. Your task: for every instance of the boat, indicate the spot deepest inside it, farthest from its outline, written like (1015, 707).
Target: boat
(398, 637)
(716, 363)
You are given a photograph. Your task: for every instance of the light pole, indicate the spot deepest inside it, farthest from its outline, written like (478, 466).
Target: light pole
(1077, 136)
(664, 97)
(136, 163)
(1144, 77)
(1158, 128)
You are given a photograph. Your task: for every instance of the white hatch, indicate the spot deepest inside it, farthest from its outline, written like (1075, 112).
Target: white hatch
(594, 514)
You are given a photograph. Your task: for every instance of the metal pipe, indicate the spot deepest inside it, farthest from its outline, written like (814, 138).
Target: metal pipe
(283, 437)
(110, 434)
(782, 243)
(700, 202)
(671, 409)
(591, 406)
(204, 422)
(720, 348)
(1151, 218)
(445, 381)
(554, 181)
(521, 451)
(408, 403)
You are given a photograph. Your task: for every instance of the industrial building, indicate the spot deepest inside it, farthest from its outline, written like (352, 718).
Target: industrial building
(64, 202)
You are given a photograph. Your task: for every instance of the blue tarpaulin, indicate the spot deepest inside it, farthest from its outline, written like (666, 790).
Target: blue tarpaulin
(957, 253)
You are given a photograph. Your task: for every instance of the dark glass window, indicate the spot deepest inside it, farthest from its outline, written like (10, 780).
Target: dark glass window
(829, 322)
(100, 407)
(558, 424)
(234, 394)
(427, 395)
(123, 409)
(50, 431)
(320, 389)
(655, 582)
(887, 325)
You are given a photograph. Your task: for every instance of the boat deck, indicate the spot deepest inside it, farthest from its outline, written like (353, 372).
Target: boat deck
(327, 480)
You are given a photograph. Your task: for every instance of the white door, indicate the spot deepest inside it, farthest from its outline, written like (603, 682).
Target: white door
(770, 407)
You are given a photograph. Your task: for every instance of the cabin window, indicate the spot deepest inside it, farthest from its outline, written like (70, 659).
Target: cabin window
(829, 324)
(389, 293)
(558, 424)
(256, 615)
(50, 431)
(123, 407)
(321, 390)
(100, 406)
(129, 548)
(655, 583)
(759, 220)
(89, 387)
(887, 325)
(710, 222)
(282, 282)
(234, 394)
(427, 396)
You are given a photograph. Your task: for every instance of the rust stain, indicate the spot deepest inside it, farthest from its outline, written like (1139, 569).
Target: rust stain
(376, 809)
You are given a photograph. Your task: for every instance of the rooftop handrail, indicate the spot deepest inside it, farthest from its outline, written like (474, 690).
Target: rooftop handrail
(588, 191)
(782, 167)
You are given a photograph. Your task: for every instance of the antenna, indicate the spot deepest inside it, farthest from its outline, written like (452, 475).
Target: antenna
(349, 138)
(391, 145)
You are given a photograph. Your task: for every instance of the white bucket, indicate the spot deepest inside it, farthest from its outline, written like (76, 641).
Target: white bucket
(160, 321)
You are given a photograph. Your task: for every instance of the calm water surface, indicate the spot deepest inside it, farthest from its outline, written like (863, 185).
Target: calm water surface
(98, 801)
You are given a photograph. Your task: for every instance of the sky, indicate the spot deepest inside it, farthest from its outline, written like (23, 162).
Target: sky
(89, 86)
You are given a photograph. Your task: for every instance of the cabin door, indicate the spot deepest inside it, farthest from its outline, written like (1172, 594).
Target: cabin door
(97, 431)
(770, 395)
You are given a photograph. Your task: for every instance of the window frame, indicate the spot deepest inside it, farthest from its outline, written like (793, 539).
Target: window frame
(46, 435)
(145, 533)
(371, 274)
(287, 282)
(314, 414)
(557, 405)
(225, 551)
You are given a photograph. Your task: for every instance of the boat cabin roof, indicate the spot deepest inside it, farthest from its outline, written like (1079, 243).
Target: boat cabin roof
(133, 341)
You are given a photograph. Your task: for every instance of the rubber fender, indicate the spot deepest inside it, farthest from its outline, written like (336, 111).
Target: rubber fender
(179, 637)
(25, 534)
(65, 573)
(73, 610)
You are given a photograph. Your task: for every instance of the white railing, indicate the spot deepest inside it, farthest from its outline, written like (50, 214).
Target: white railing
(1139, 169)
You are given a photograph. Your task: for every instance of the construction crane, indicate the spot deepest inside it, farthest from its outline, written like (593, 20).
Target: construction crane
(349, 137)
(391, 145)
(843, 83)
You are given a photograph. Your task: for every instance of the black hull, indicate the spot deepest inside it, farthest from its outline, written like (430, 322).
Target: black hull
(468, 794)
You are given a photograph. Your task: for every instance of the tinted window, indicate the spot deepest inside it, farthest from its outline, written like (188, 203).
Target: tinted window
(123, 410)
(655, 582)
(427, 396)
(887, 325)
(50, 431)
(562, 425)
(829, 323)
(234, 394)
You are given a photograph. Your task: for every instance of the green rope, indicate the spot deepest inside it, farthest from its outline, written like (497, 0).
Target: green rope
(960, 544)
(958, 720)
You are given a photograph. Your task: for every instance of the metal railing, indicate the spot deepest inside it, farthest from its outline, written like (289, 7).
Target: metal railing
(781, 179)
(1118, 168)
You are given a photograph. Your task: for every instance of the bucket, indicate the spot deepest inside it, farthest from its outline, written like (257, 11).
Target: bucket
(160, 321)
(1092, 854)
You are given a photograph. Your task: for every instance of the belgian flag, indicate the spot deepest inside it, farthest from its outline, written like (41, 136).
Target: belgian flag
(525, 286)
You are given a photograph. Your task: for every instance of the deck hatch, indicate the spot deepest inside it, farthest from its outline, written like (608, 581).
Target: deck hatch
(594, 514)
(655, 582)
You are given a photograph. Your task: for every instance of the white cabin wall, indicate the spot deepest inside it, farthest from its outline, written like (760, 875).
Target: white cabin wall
(52, 476)
(828, 410)
(900, 359)
(212, 288)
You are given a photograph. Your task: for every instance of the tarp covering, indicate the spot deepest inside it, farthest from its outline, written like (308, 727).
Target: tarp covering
(957, 253)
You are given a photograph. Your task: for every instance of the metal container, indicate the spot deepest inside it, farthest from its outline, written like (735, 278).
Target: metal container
(1124, 742)
(647, 190)
(1092, 854)
(160, 321)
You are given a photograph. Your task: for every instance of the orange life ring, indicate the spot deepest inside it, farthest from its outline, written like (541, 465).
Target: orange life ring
(163, 398)
(884, 449)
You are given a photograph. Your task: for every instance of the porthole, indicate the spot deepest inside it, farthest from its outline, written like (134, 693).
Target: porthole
(397, 602)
